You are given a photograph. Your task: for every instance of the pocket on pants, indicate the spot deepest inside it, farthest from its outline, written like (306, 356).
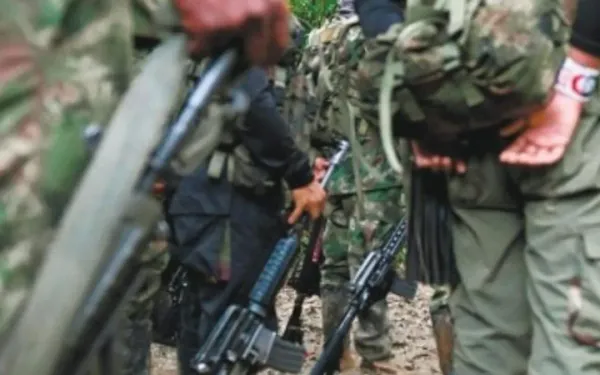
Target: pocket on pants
(584, 294)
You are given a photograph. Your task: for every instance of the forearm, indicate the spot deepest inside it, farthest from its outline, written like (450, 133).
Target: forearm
(585, 39)
(376, 16)
(268, 137)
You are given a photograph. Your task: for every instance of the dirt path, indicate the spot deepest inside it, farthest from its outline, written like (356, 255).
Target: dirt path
(413, 344)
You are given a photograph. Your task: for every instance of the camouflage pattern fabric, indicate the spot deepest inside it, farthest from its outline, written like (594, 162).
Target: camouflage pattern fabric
(365, 194)
(63, 66)
(331, 55)
(137, 334)
(459, 66)
(345, 241)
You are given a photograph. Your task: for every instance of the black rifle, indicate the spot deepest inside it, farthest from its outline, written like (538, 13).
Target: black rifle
(167, 308)
(306, 276)
(240, 341)
(305, 280)
(374, 279)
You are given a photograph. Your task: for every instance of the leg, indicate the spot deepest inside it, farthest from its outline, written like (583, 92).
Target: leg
(489, 306)
(382, 210)
(563, 257)
(138, 324)
(335, 275)
(563, 262)
(195, 324)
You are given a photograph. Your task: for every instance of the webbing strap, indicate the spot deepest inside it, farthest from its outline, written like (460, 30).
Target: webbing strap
(458, 13)
(350, 120)
(392, 77)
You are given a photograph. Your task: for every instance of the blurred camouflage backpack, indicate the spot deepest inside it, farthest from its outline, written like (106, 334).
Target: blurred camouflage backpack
(457, 66)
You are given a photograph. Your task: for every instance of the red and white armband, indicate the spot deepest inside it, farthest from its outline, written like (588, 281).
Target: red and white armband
(576, 80)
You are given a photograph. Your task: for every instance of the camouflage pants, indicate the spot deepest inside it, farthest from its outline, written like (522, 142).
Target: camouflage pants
(346, 239)
(137, 326)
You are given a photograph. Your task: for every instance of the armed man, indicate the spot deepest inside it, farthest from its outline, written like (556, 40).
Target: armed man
(64, 67)
(364, 197)
(227, 215)
(523, 183)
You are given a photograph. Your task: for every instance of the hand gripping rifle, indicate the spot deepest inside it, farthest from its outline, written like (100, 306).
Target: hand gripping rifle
(92, 266)
(306, 275)
(374, 279)
(240, 341)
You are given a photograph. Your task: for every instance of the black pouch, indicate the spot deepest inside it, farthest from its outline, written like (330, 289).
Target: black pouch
(430, 254)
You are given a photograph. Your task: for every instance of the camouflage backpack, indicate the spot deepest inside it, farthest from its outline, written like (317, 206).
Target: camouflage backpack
(458, 66)
(340, 46)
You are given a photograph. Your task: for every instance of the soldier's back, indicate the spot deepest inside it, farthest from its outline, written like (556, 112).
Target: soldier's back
(63, 67)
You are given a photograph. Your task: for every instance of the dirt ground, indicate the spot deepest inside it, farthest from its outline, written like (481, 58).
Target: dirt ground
(414, 347)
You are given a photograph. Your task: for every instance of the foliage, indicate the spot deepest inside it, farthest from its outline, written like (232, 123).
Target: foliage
(312, 13)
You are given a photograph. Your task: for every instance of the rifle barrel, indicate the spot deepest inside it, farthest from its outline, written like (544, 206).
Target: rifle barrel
(328, 361)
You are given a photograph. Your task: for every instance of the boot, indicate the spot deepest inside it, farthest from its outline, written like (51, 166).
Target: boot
(137, 340)
(443, 331)
(384, 366)
(333, 302)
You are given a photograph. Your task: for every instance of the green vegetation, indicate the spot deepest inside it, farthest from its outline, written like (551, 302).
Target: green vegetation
(312, 13)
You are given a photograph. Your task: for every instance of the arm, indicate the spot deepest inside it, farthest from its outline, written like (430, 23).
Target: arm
(153, 20)
(376, 16)
(585, 39)
(268, 137)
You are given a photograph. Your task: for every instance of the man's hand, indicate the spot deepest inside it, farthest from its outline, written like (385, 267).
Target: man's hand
(320, 168)
(549, 131)
(310, 198)
(263, 25)
(426, 160)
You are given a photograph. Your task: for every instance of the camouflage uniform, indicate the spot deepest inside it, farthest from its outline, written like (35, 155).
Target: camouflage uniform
(365, 194)
(525, 239)
(63, 66)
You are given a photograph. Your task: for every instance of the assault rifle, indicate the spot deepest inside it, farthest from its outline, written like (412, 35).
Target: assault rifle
(92, 266)
(240, 341)
(374, 279)
(306, 275)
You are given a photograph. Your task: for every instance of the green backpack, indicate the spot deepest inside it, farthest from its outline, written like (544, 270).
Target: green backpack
(459, 66)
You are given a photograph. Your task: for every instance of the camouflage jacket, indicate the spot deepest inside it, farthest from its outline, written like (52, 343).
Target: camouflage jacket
(63, 65)
(319, 97)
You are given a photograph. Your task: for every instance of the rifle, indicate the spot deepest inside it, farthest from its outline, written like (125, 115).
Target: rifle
(240, 341)
(91, 268)
(305, 280)
(166, 313)
(374, 279)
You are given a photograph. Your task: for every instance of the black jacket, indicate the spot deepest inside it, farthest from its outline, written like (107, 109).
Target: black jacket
(202, 208)
(586, 28)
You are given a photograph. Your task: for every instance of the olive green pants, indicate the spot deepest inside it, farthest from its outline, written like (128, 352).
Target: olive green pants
(527, 245)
